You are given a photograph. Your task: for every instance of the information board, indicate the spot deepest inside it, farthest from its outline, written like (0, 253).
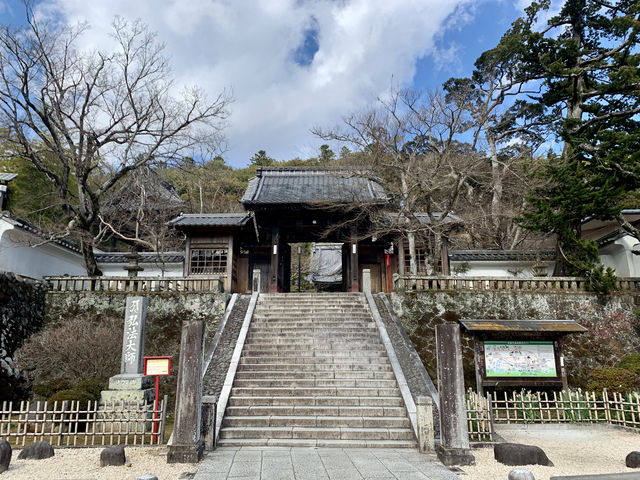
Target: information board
(519, 359)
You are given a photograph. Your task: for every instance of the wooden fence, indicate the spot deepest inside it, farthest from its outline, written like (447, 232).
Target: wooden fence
(68, 424)
(475, 284)
(136, 284)
(554, 407)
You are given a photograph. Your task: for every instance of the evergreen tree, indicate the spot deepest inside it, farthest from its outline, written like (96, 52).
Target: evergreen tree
(584, 64)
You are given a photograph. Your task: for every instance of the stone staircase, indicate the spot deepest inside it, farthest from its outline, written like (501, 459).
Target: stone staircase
(314, 372)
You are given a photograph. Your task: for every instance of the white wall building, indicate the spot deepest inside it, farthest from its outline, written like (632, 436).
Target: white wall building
(502, 263)
(24, 251)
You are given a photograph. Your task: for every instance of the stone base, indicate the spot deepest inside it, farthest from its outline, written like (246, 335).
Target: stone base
(127, 396)
(455, 456)
(185, 453)
(128, 381)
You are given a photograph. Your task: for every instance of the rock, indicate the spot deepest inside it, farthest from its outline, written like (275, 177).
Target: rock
(186, 475)
(5, 455)
(36, 451)
(112, 456)
(147, 476)
(520, 474)
(633, 460)
(517, 454)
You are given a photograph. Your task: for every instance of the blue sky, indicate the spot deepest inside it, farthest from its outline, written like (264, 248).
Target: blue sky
(296, 64)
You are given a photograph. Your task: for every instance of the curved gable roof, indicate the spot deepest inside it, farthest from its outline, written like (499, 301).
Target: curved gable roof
(312, 186)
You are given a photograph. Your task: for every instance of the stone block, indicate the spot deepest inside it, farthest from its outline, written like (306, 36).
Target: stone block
(126, 381)
(520, 474)
(185, 453)
(127, 396)
(518, 454)
(36, 451)
(147, 476)
(455, 456)
(633, 460)
(112, 456)
(5, 455)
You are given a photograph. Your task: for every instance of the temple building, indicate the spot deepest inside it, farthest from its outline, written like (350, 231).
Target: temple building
(285, 206)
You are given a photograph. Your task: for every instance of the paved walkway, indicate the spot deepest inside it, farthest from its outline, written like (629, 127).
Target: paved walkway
(309, 463)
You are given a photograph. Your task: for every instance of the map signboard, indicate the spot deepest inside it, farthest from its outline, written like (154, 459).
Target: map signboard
(519, 359)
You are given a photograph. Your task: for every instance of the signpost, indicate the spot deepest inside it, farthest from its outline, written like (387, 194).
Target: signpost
(157, 366)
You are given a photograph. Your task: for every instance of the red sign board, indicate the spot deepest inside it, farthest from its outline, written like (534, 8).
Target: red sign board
(157, 365)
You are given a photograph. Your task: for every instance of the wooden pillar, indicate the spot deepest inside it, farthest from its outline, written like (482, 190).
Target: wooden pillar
(353, 266)
(275, 252)
(187, 444)
(444, 258)
(454, 430)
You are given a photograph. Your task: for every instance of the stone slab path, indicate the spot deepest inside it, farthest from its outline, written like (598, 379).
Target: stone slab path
(308, 463)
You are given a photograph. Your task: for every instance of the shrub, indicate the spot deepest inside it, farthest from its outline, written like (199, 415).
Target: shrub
(73, 349)
(47, 389)
(631, 363)
(91, 386)
(72, 395)
(614, 379)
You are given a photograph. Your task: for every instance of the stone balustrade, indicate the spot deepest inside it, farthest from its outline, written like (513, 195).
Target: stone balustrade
(531, 284)
(136, 284)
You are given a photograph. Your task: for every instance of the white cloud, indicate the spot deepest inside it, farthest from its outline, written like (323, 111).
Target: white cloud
(247, 46)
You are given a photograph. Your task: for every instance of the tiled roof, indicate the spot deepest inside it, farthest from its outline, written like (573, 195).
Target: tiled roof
(147, 257)
(312, 185)
(211, 220)
(501, 255)
(28, 227)
(7, 177)
(556, 326)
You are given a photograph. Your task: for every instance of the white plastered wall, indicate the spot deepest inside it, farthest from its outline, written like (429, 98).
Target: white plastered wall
(23, 253)
(619, 256)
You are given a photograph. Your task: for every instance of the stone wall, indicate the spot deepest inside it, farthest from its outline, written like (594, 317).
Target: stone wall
(612, 321)
(163, 308)
(22, 303)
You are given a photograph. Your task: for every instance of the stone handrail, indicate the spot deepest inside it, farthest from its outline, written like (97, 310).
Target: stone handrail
(530, 284)
(136, 284)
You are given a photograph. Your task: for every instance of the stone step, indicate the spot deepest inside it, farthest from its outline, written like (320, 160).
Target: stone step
(335, 367)
(347, 337)
(310, 442)
(314, 421)
(314, 410)
(318, 400)
(314, 391)
(336, 433)
(301, 359)
(360, 374)
(313, 382)
(312, 323)
(312, 330)
(292, 352)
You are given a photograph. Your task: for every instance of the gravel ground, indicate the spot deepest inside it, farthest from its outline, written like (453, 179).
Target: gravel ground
(573, 449)
(84, 463)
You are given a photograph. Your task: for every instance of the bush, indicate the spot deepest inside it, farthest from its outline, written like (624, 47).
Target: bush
(91, 386)
(73, 349)
(631, 363)
(47, 389)
(614, 379)
(72, 395)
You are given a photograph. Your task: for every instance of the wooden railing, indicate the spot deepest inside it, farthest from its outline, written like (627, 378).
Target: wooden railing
(567, 406)
(531, 284)
(69, 423)
(136, 284)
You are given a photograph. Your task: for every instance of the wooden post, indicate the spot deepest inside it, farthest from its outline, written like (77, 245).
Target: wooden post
(353, 262)
(187, 444)
(478, 353)
(275, 247)
(454, 430)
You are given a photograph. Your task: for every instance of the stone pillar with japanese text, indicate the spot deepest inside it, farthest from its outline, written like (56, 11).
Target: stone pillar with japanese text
(130, 385)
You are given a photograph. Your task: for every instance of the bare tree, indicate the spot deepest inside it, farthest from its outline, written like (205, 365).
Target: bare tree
(412, 142)
(87, 119)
